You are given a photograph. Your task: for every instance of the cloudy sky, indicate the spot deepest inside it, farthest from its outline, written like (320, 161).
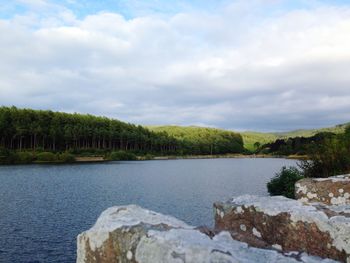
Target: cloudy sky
(266, 65)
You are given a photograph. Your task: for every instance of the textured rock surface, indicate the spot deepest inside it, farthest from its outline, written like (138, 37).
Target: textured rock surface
(133, 234)
(332, 191)
(287, 224)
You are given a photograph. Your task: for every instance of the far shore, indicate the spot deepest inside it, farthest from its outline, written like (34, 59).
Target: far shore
(100, 159)
(234, 156)
(174, 157)
(89, 159)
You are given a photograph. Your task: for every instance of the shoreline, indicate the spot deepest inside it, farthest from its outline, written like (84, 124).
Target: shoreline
(230, 156)
(100, 159)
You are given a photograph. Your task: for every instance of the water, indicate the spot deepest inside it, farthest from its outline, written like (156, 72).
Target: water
(44, 207)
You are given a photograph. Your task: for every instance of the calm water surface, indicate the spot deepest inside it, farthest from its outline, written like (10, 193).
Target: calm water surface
(44, 207)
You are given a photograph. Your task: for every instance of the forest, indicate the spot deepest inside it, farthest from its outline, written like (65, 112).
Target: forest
(208, 140)
(23, 130)
(296, 145)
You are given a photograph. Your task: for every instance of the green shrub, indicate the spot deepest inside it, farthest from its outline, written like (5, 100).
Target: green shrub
(39, 149)
(6, 156)
(122, 156)
(66, 157)
(46, 157)
(24, 157)
(284, 181)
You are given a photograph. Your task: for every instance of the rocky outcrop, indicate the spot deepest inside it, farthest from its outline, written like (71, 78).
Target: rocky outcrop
(288, 225)
(331, 191)
(133, 234)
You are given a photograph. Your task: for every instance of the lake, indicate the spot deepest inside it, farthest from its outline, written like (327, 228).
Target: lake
(44, 207)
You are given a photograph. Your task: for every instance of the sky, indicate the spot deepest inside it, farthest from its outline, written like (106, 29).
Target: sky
(263, 65)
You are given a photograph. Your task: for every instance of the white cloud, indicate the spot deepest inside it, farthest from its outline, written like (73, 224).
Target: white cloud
(229, 68)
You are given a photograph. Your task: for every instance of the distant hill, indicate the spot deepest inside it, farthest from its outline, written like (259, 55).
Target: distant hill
(308, 133)
(186, 131)
(249, 137)
(218, 140)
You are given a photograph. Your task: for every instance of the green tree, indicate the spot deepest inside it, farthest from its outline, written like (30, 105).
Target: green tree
(331, 157)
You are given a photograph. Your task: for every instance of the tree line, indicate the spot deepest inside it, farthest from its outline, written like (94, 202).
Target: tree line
(296, 145)
(206, 140)
(44, 130)
(328, 155)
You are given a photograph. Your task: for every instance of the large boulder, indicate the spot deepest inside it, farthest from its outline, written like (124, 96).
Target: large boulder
(332, 191)
(287, 224)
(133, 234)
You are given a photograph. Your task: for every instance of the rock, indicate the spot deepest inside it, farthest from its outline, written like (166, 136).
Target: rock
(331, 191)
(133, 234)
(287, 224)
(118, 231)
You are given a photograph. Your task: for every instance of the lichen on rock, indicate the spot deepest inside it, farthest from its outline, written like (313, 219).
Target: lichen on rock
(287, 223)
(331, 191)
(117, 232)
(133, 234)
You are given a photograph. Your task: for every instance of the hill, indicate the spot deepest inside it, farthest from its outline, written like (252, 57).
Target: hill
(249, 137)
(308, 133)
(209, 140)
